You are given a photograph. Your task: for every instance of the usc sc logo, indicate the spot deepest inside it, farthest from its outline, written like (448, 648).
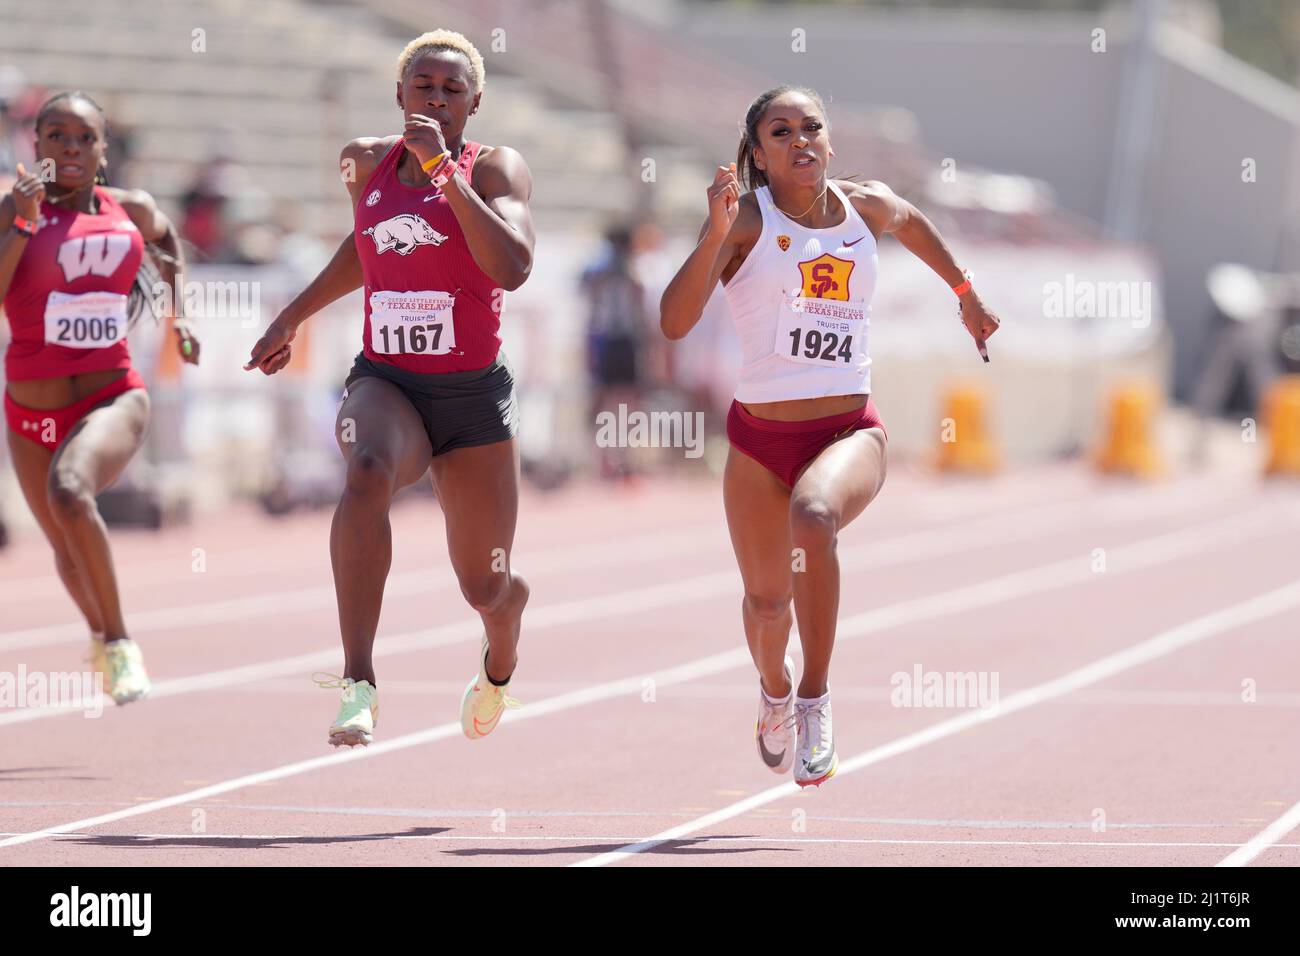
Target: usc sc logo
(826, 277)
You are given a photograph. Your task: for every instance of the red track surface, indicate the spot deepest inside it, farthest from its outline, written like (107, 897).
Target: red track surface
(640, 700)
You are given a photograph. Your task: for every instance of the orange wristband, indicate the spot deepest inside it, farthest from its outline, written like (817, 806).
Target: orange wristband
(965, 287)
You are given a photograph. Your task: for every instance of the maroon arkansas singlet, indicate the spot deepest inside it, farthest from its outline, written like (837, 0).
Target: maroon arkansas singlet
(429, 307)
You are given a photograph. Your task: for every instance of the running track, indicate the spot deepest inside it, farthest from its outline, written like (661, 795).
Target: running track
(1120, 736)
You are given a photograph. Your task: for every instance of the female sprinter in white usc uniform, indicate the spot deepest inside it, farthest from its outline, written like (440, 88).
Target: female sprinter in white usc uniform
(441, 229)
(797, 255)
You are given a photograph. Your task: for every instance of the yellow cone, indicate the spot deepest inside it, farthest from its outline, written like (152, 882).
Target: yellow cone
(1129, 444)
(964, 445)
(1282, 420)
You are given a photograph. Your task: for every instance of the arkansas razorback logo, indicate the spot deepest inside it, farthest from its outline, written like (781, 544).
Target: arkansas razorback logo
(404, 233)
(826, 277)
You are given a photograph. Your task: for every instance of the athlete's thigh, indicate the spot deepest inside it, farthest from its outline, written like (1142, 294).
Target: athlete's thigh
(478, 488)
(845, 476)
(378, 419)
(32, 466)
(99, 446)
(758, 517)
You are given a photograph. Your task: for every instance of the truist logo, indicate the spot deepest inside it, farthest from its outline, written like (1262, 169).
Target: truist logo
(93, 255)
(403, 233)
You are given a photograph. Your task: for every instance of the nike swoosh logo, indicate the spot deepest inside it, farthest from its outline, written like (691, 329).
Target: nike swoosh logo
(489, 726)
(433, 197)
(769, 758)
(855, 241)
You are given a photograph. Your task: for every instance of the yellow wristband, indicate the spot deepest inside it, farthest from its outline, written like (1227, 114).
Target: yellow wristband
(428, 167)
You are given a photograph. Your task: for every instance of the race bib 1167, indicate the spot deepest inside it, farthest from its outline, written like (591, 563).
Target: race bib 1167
(412, 323)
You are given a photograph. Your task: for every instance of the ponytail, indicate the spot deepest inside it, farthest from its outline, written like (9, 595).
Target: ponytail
(751, 177)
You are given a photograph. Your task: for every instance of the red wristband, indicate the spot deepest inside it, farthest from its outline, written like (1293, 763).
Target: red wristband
(965, 287)
(25, 226)
(443, 172)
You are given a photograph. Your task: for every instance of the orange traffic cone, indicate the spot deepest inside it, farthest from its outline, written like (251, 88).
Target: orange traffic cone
(1129, 446)
(168, 367)
(964, 445)
(1282, 419)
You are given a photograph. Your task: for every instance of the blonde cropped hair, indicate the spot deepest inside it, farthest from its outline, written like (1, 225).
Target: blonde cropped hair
(443, 40)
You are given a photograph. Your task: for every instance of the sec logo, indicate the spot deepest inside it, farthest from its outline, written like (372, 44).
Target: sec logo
(372, 198)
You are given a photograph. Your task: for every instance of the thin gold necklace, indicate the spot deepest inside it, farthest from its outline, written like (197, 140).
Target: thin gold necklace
(71, 195)
(810, 205)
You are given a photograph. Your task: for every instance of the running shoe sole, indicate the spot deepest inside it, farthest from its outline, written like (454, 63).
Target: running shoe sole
(818, 781)
(130, 698)
(350, 738)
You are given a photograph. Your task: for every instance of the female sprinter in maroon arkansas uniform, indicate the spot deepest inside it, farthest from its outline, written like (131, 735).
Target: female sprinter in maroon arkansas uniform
(441, 228)
(797, 256)
(70, 252)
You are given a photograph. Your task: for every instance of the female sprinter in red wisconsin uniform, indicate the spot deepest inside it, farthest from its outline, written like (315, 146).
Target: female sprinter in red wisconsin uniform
(71, 249)
(441, 228)
(797, 256)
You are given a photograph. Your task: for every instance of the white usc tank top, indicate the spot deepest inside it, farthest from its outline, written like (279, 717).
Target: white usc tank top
(801, 302)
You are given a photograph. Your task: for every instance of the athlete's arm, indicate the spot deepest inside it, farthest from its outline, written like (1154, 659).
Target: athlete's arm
(341, 275)
(25, 199)
(730, 227)
(498, 225)
(886, 212)
(157, 230)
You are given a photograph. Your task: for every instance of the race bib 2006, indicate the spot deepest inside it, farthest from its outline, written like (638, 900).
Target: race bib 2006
(92, 320)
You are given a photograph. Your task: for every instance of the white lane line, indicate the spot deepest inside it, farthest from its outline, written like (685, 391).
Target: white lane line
(765, 816)
(910, 546)
(937, 505)
(1144, 553)
(1268, 837)
(424, 582)
(324, 838)
(983, 531)
(882, 553)
(1234, 616)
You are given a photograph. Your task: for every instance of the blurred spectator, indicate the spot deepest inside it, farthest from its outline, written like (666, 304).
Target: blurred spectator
(205, 206)
(653, 268)
(18, 105)
(616, 334)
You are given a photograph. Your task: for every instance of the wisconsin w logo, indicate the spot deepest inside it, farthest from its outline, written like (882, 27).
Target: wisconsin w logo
(93, 255)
